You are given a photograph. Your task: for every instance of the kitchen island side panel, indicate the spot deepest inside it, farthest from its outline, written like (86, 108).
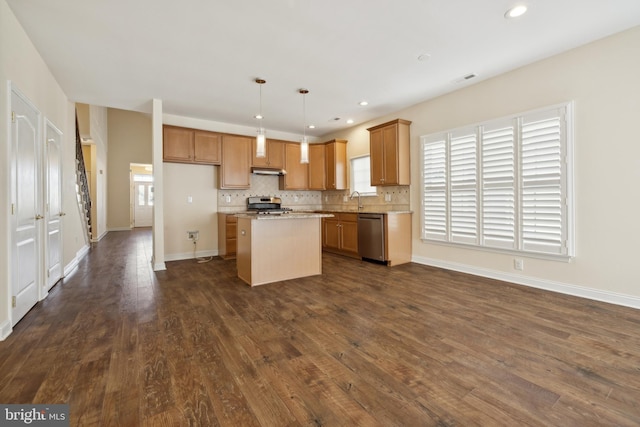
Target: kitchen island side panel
(243, 249)
(271, 251)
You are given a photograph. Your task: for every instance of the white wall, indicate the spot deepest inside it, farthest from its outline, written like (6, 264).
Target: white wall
(602, 79)
(98, 129)
(129, 142)
(21, 64)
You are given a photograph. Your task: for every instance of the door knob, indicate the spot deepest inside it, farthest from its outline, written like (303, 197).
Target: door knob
(62, 214)
(39, 217)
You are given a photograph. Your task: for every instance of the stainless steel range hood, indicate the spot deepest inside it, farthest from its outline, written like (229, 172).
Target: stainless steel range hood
(261, 170)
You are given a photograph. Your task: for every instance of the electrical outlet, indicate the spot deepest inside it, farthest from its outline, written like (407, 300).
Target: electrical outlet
(387, 197)
(518, 264)
(192, 235)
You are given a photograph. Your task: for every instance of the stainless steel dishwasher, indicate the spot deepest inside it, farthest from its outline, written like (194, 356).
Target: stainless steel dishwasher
(371, 236)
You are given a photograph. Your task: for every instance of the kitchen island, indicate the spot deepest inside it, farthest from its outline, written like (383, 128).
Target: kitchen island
(271, 248)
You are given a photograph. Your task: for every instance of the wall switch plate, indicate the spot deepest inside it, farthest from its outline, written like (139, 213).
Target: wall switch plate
(387, 197)
(227, 198)
(345, 198)
(189, 199)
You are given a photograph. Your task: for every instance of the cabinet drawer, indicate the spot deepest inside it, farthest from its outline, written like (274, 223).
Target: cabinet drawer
(349, 217)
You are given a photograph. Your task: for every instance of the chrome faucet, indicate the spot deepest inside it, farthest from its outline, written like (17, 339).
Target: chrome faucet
(359, 204)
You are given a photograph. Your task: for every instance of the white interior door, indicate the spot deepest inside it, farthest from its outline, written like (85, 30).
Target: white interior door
(25, 207)
(143, 204)
(54, 214)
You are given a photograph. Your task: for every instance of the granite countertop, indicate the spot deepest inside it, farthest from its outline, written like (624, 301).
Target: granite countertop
(290, 215)
(390, 212)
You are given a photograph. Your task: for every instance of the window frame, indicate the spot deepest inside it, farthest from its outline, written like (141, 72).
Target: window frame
(436, 193)
(352, 178)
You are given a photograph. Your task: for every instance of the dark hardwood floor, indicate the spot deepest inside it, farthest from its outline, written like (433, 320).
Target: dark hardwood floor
(361, 345)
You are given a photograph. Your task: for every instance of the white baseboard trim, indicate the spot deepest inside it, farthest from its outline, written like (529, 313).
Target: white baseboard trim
(73, 264)
(118, 229)
(189, 255)
(5, 330)
(549, 285)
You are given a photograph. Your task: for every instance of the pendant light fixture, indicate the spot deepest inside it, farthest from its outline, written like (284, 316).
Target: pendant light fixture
(304, 144)
(261, 139)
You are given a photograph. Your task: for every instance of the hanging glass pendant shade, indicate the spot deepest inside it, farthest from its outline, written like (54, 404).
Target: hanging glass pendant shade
(261, 138)
(304, 144)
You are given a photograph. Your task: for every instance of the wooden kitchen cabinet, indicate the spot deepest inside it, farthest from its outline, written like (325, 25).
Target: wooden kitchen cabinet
(317, 174)
(184, 145)
(389, 153)
(235, 168)
(274, 155)
(340, 234)
(336, 164)
(227, 235)
(206, 147)
(397, 238)
(297, 177)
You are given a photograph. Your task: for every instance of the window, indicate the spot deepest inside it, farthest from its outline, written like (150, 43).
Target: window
(361, 176)
(503, 184)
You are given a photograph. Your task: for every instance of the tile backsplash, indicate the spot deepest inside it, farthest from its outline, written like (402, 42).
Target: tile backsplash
(263, 185)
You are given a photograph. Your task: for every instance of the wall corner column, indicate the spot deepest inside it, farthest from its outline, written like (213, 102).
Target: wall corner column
(158, 193)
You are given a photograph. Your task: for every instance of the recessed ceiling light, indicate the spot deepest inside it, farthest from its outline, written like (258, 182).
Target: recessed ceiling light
(349, 121)
(363, 103)
(311, 126)
(258, 116)
(515, 11)
(424, 57)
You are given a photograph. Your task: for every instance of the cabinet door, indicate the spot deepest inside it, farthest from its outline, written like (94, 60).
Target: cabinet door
(274, 155)
(331, 233)
(177, 144)
(376, 151)
(235, 168)
(297, 177)
(390, 143)
(349, 236)
(336, 165)
(206, 147)
(317, 178)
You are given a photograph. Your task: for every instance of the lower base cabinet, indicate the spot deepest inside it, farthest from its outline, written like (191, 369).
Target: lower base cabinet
(340, 234)
(227, 240)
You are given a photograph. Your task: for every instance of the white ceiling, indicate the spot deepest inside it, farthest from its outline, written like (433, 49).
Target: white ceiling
(201, 57)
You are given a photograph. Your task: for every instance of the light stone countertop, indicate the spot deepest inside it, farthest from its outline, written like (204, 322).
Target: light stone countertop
(370, 211)
(290, 215)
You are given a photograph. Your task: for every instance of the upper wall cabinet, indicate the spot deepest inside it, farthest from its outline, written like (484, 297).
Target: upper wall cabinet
(336, 164)
(297, 177)
(185, 145)
(317, 174)
(274, 158)
(235, 169)
(389, 150)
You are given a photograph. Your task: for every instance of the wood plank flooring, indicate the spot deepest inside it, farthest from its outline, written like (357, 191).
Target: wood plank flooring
(360, 345)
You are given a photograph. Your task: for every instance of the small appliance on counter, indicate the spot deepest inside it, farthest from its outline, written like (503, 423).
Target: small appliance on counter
(266, 205)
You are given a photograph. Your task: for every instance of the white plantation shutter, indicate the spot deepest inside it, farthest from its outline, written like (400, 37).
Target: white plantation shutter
(504, 184)
(498, 185)
(435, 189)
(464, 187)
(543, 198)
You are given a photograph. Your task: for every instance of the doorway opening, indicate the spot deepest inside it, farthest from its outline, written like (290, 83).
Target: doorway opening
(141, 195)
